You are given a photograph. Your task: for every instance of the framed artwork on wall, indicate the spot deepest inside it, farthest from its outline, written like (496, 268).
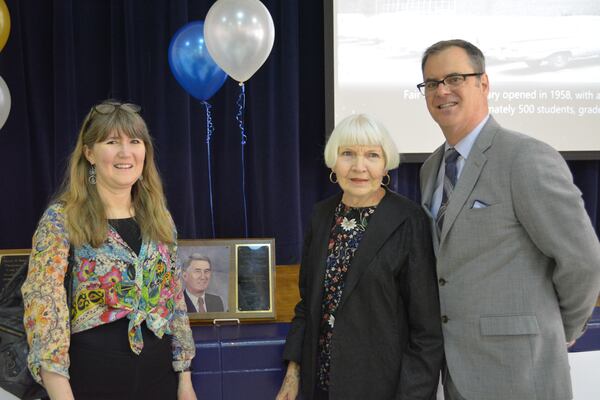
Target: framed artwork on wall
(228, 279)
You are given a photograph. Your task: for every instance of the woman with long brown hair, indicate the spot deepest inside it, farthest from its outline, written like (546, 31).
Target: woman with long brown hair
(125, 334)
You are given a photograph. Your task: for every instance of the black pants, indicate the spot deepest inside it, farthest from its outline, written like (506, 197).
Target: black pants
(104, 367)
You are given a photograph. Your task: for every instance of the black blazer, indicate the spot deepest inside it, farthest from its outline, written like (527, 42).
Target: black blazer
(387, 341)
(212, 302)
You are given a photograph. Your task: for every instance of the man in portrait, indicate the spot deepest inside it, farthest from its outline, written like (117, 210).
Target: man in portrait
(196, 276)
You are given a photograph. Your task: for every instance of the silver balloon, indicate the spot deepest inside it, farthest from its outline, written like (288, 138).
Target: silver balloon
(239, 35)
(4, 102)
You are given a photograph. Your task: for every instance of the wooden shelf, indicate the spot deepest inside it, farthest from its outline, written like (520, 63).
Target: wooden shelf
(286, 291)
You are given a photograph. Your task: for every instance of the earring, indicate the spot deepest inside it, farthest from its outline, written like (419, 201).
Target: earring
(141, 178)
(332, 177)
(92, 174)
(388, 180)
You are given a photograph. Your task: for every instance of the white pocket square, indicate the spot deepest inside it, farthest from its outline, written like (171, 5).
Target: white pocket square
(479, 204)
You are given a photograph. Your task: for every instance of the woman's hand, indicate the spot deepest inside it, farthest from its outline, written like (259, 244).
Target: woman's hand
(57, 386)
(185, 390)
(291, 383)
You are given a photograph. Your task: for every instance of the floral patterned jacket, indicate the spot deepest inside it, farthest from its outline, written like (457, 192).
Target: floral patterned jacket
(109, 282)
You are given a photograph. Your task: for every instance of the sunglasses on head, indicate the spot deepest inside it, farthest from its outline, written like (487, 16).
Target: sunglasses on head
(110, 107)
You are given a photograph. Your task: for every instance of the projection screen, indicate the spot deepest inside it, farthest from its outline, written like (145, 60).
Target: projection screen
(543, 62)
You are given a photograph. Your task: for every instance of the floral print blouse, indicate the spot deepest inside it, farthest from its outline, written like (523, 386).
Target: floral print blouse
(349, 226)
(108, 283)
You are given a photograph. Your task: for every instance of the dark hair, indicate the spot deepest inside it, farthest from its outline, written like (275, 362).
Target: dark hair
(475, 55)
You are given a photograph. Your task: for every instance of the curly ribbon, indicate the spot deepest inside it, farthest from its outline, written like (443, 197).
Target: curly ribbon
(241, 103)
(209, 131)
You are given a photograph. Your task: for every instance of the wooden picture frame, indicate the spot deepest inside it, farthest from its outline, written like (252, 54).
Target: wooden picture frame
(241, 283)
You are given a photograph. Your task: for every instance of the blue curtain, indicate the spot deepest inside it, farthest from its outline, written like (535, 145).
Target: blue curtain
(63, 56)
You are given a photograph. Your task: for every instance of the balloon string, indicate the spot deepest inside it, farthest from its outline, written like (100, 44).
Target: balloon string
(241, 103)
(209, 131)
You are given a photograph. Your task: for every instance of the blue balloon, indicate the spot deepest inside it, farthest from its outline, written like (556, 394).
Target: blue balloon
(191, 64)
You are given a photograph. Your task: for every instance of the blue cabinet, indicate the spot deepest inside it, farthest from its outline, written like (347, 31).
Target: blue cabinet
(239, 361)
(236, 362)
(590, 341)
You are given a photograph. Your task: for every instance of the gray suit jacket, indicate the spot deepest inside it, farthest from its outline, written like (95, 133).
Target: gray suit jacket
(518, 278)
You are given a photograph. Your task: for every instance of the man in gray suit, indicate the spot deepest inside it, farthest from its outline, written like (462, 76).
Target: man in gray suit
(518, 260)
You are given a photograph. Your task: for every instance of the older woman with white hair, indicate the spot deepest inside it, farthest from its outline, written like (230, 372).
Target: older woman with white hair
(367, 325)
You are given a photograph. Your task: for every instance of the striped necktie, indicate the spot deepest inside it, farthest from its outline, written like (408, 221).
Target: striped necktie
(201, 306)
(450, 175)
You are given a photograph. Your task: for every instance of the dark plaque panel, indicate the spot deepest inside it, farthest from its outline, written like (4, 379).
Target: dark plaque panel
(253, 278)
(9, 265)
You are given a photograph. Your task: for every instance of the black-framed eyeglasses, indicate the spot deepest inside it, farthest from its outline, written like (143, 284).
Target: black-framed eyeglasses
(452, 81)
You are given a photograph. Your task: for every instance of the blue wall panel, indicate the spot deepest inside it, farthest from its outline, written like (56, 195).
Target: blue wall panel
(590, 341)
(236, 362)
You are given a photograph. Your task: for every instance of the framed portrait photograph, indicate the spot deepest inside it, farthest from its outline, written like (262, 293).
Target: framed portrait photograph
(228, 279)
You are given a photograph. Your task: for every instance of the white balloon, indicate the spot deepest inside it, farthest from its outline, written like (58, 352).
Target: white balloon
(239, 36)
(4, 102)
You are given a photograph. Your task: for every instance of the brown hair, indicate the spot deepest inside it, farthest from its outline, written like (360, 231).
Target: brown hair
(86, 219)
(475, 55)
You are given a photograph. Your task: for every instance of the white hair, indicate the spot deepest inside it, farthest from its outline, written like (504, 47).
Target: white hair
(361, 130)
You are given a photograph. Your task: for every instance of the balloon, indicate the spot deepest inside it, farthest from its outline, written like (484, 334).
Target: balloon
(239, 36)
(191, 63)
(4, 24)
(4, 102)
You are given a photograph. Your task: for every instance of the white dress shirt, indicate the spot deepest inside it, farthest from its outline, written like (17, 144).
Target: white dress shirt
(195, 300)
